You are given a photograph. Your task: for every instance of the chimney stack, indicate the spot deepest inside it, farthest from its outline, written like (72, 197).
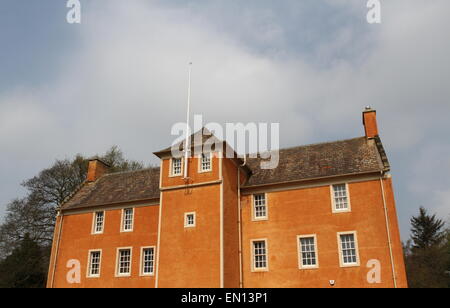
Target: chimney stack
(370, 122)
(96, 169)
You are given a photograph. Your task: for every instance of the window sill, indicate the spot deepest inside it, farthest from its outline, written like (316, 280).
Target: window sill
(175, 176)
(263, 270)
(341, 211)
(350, 265)
(306, 268)
(205, 171)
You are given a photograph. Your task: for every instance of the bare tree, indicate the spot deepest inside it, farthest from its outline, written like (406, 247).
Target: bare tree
(35, 214)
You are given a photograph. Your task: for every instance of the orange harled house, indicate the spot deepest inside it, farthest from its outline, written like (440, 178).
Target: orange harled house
(325, 217)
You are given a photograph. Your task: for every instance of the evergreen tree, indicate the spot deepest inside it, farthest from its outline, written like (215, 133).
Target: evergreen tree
(427, 253)
(447, 251)
(427, 231)
(24, 268)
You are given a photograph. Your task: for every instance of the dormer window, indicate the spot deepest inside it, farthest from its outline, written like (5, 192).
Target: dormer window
(176, 167)
(205, 162)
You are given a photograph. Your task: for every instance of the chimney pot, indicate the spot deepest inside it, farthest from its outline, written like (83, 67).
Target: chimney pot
(370, 122)
(96, 169)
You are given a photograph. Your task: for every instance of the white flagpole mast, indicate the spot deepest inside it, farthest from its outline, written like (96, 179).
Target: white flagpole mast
(187, 145)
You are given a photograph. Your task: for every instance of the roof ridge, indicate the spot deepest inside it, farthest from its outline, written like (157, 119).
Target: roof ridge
(314, 144)
(203, 132)
(131, 171)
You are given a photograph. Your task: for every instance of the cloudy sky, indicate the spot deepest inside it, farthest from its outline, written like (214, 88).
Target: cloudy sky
(119, 78)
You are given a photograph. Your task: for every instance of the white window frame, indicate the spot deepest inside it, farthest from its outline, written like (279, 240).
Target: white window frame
(200, 163)
(300, 252)
(186, 215)
(117, 269)
(254, 269)
(122, 223)
(261, 218)
(141, 270)
(89, 264)
(171, 174)
(94, 223)
(333, 201)
(341, 255)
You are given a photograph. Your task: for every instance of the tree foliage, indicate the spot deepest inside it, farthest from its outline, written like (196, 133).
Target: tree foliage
(115, 158)
(427, 231)
(427, 253)
(24, 268)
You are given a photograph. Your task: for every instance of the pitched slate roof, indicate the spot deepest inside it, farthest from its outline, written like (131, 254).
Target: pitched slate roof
(204, 135)
(345, 157)
(353, 156)
(116, 188)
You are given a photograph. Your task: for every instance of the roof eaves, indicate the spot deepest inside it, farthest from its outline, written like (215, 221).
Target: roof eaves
(319, 143)
(311, 179)
(382, 153)
(109, 204)
(130, 172)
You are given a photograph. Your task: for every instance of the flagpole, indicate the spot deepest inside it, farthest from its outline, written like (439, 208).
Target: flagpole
(187, 146)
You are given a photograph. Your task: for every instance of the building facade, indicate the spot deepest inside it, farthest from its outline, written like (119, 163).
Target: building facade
(325, 217)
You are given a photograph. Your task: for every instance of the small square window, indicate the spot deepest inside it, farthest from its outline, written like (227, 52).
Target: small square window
(205, 162)
(189, 220)
(177, 167)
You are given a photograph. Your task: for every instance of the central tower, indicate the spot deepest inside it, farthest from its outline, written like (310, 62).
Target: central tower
(198, 236)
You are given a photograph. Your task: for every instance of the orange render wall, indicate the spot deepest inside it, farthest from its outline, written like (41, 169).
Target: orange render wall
(77, 240)
(230, 224)
(309, 211)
